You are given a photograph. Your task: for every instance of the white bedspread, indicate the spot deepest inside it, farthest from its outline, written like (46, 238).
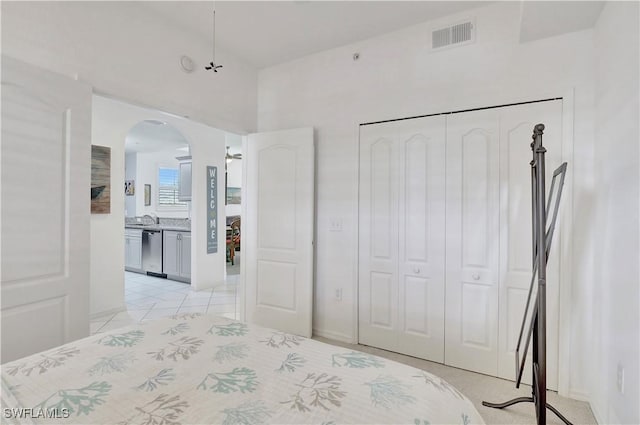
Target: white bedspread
(204, 369)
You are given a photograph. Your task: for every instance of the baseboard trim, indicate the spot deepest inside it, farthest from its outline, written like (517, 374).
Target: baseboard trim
(199, 286)
(579, 395)
(584, 396)
(336, 336)
(107, 312)
(597, 415)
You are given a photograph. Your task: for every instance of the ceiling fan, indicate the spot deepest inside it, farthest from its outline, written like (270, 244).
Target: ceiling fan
(228, 157)
(212, 65)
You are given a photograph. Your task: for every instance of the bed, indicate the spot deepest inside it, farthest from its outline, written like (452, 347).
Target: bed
(205, 369)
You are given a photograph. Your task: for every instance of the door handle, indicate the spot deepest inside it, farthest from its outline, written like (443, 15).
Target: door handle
(476, 276)
(416, 270)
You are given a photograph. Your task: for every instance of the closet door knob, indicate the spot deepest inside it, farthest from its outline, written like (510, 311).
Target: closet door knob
(475, 276)
(416, 270)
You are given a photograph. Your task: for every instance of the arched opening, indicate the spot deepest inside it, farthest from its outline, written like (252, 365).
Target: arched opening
(124, 291)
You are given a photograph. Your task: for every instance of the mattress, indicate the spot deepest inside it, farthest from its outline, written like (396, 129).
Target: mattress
(205, 369)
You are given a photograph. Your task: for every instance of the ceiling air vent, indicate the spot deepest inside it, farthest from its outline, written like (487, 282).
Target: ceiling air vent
(454, 35)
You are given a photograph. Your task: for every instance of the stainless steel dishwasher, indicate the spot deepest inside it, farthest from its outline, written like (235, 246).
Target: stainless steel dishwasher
(152, 252)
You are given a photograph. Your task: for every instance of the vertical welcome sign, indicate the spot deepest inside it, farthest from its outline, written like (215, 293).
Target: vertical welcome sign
(212, 210)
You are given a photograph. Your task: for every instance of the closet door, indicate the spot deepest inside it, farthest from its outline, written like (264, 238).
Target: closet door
(378, 223)
(402, 224)
(472, 241)
(516, 124)
(421, 217)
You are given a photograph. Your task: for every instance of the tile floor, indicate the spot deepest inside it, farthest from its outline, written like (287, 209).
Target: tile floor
(150, 297)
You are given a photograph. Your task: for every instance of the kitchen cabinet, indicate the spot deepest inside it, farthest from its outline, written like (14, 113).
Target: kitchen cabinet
(184, 188)
(185, 255)
(133, 250)
(176, 261)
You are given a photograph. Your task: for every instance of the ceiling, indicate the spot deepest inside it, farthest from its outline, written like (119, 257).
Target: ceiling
(265, 33)
(542, 19)
(155, 136)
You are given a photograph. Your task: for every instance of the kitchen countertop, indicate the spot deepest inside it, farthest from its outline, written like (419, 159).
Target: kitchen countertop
(158, 227)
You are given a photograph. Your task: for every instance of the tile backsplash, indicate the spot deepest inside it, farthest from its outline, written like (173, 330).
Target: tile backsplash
(175, 221)
(167, 221)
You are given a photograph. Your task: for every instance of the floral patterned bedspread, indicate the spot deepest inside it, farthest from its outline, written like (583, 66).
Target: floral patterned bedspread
(205, 369)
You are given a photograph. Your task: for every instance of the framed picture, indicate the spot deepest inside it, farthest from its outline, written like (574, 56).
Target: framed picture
(147, 195)
(233, 195)
(129, 187)
(100, 179)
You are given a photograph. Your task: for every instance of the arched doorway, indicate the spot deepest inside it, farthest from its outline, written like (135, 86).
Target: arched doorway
(116, 303)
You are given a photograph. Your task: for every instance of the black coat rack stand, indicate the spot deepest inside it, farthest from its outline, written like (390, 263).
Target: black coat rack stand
(537, 319)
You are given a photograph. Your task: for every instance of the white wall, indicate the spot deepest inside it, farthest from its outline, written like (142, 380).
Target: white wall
(124, 50)
(112, 121)
(106, 289)
(398, 76)
(130, 173)
(234, 170)
(234, 179)
(148, 163)
(234, 173)
(616, 288)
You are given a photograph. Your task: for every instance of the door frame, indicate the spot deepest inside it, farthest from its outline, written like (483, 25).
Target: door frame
(566, 242)
(241, 298)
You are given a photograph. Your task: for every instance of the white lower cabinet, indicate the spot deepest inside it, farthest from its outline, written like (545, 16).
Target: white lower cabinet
(185, 256)
(133, 250)
(176, 253)
(445, 236)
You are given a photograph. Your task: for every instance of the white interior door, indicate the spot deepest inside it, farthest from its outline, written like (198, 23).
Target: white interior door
(278, 230)
(402, 239)
(516, 125)
(472, 241)
(46, 141)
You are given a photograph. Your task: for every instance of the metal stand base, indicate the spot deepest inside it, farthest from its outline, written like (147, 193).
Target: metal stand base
(525, 400)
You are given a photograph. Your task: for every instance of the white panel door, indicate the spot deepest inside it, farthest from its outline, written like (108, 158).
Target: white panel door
(516, 125)
(421, 249)
(402, 242)
(472, 241)
(46, 164)
(378, 234)
(278, 230)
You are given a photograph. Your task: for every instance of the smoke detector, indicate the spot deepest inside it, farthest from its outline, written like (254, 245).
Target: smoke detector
(186, 63)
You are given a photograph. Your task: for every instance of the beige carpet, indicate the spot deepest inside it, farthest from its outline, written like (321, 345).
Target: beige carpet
(478, 388)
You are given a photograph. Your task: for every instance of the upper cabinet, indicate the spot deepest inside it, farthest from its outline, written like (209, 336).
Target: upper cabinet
(184, 190)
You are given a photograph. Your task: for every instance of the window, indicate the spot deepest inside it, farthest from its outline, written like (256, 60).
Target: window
(168, 186)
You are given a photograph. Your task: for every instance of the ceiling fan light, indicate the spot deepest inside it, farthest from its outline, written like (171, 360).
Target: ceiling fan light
(212, 65)
(229, 160)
